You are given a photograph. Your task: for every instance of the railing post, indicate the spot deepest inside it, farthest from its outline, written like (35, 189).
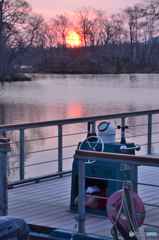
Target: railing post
(59, 148)
(123, 130)
(21, 154)
(149, 133)
(93, 127)
(4, 148)
(134, 177)
(81, 192)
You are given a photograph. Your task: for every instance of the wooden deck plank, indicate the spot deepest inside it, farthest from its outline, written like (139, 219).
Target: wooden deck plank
(46, 203)
(36, 188)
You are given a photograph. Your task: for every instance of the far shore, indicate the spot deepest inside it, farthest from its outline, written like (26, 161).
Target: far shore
(30, 75)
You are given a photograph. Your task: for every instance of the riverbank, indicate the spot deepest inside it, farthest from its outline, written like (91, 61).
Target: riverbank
(16, 78)
(28, 75)
(146, 70)
(91, 66)
(142, 71)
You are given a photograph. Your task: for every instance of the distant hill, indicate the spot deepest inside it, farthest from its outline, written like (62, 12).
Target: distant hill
(152, 40)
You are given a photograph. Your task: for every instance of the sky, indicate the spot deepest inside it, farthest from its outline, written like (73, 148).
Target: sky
(49, 8)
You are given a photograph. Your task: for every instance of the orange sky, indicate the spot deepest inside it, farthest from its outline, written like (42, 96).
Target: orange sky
(49, 8)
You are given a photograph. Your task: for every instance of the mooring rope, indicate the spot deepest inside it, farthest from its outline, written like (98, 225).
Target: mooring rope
(131, 220)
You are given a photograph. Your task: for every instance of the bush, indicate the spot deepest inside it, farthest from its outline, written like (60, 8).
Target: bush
(118, 65)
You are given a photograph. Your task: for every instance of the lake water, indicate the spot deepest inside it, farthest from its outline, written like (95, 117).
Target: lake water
(51, 97)
(65, 96)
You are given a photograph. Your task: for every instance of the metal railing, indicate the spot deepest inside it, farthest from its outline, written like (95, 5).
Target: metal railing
(91, 123)
(131, 160)
(91, 127)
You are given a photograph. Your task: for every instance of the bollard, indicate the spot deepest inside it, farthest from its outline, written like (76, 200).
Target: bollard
(4, 148)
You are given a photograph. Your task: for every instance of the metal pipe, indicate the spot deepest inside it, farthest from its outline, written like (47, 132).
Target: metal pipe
(81, 190)
(59, 148)
(93, 127)
(8, 127)
(149, 133)
(124, 149)
(3, 180)
(21, 154)
(134, 177)
(35, 179)
(123, 130)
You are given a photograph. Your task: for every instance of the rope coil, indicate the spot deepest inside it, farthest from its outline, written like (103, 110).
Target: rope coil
(131, 219)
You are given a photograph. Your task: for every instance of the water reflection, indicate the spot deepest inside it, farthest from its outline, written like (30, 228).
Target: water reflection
(67, 96)
(74, 110)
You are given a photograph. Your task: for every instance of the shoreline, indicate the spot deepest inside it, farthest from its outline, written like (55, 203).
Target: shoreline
(95, 72)
(27, 78)
(19, 78)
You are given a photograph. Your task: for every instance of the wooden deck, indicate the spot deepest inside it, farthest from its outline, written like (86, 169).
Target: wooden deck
(46, 203)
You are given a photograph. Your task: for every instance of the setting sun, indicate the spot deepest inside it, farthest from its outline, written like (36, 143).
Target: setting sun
(73, 39)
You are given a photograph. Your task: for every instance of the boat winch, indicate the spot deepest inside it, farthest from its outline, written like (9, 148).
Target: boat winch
(99, 170)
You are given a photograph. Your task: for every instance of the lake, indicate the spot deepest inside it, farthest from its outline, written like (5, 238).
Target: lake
(65, 96)
(50, 97)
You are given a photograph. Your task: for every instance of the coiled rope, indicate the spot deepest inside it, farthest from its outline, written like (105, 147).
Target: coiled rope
(131, 220)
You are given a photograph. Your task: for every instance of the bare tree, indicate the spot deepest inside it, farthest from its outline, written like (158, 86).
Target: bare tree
(150, 29)
(19, 29)
(86, 24)
(133, 19)
(1, 39)
(25, 36)
(51, 39)
(119, 35)
(12, 13)
(106, 30)
(62, 25)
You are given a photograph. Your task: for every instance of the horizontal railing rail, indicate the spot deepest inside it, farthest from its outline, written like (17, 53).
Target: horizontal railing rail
(35, 179)
(115, 157)
(8, 127)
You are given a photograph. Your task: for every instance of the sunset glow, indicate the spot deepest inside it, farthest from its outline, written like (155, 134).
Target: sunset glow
(73, 39)
(74, 110)
(49, 9)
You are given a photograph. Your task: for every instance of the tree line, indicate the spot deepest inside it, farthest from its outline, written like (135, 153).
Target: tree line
(124, 41)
